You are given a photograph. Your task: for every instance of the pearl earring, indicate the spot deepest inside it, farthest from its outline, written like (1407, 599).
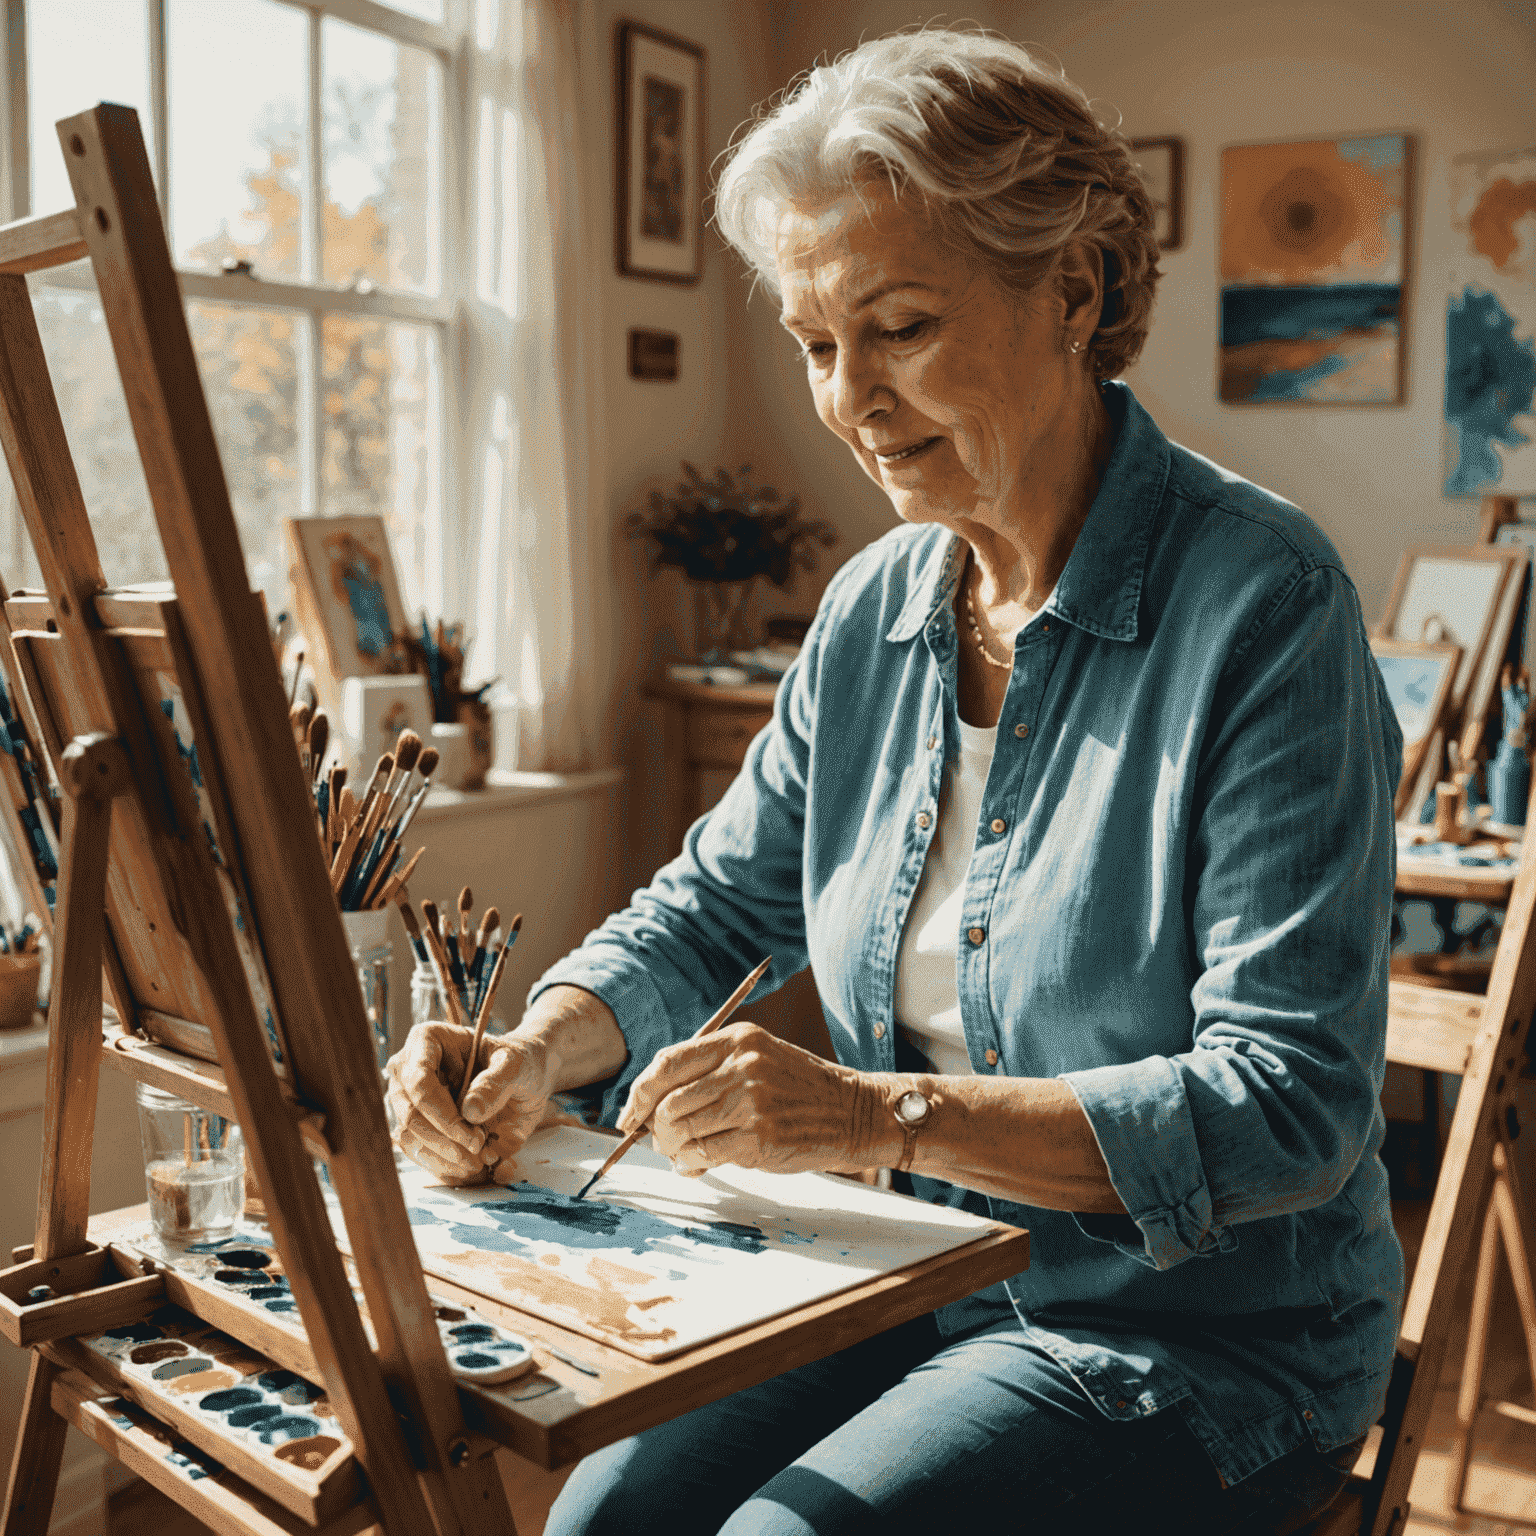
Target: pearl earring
(1074, 347)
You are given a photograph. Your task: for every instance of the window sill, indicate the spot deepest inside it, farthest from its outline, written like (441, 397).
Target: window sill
(507, 791)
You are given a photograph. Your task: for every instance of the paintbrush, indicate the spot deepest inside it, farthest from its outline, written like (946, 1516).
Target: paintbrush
(427, 766)
(338, 780)
(319, 740)
(434, 922)
(353, 840)
(440, 969)
(298, 672)
(413, 932)
(384, 852)
(466, 906)
(393, 888)
(710, 1025)
(483, 1012)
(488, 926)
(407, 750)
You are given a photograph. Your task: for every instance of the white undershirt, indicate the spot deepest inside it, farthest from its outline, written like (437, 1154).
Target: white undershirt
(927, 999)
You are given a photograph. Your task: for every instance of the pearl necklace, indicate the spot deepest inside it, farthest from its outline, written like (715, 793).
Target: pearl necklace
(976, 635)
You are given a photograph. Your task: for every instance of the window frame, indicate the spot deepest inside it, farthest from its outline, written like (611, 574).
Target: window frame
(311, 299)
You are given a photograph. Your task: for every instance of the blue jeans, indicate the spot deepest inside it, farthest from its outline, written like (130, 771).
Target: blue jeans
(910, 1430)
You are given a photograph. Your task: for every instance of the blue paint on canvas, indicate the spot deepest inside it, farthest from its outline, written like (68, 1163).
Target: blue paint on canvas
(370, 614)
(1490, 379)
(1305, 313)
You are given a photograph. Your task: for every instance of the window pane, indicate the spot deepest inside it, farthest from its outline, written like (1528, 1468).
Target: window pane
(253, 363)
(381, 433)
(80, 52)
(383, 104)
(96, 423)
(238, 167)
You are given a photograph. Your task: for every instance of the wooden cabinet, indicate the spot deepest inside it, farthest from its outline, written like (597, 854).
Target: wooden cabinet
(707, 731)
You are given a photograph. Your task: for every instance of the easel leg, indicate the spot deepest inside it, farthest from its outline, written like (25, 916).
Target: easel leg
(35, 1462)
(1507, 1220)
(95, 772)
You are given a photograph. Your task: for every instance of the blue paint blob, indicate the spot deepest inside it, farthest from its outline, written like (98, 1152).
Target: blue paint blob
(473, 1360)
(239, 1277)
(262, 1292)
(420, 1217)
(281, 1306)
(796, 1239)
(183, 1367)
(472, 1333)
(729, 1234)
(1490, 378)
(289, 1426)
(228, 1398)
(237, 1258)
(243, 1418)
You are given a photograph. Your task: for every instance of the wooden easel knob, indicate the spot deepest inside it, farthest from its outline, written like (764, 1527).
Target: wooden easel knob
(95, 767)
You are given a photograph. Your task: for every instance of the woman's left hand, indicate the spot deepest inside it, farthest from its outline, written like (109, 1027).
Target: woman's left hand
(744, 1096)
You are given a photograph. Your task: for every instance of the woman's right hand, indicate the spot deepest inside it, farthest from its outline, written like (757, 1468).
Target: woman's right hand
(507, 1099)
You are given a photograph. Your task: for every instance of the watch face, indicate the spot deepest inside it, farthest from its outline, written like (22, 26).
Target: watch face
(912, 1108)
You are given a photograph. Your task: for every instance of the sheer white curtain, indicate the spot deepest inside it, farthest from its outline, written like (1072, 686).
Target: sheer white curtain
(527, 378)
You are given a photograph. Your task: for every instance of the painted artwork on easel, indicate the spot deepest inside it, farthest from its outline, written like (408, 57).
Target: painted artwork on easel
(1312, 269)
(1490, 326)
(654, 1263)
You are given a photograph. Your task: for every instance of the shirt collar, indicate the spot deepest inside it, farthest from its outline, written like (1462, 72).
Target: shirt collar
(1100, 589)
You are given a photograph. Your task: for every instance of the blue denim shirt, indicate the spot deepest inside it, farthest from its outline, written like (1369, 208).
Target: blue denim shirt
(1185, 917)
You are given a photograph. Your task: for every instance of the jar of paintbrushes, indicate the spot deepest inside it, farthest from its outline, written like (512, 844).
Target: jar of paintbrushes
(194, 1168)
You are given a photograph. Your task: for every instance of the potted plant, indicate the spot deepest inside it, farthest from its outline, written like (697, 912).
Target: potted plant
(724, 533)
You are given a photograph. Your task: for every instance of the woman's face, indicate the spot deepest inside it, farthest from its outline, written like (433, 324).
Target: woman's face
(954, 392)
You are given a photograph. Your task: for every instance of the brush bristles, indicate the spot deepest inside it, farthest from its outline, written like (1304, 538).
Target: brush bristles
(407, 750)
(488, 925)
(299, 717)
(517, 923)
(412, 927)
(428, 762)
(319, 736)
(429, 912)
(466, 902)
(382, 769)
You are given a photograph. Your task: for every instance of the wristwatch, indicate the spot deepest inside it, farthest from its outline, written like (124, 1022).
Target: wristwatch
(913, 1111)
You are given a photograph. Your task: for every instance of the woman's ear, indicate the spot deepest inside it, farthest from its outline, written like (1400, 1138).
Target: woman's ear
(1080, 283)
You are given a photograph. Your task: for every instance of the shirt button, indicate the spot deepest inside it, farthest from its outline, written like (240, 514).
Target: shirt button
(1121, 1403)
(991, 1058)
(923, 818)
(879, 1031)
(977, 935)
(999, 825)
(1045, 629)
(1307, 1414)
(1021, 731)
(933, 741)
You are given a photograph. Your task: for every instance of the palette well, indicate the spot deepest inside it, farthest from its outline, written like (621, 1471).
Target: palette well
(271, 1427)
(653, 1263)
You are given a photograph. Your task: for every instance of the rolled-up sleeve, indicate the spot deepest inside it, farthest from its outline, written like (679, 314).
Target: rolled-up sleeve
(1289, 889)
(732, 896)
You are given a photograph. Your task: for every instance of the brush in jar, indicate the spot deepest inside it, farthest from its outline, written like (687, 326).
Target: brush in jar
(487, 1001)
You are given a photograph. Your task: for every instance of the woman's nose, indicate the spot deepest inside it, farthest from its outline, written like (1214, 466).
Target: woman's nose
(859, 389)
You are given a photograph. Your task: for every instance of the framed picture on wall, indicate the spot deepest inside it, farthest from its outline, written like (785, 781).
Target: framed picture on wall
(1161, 163)
(661, 155)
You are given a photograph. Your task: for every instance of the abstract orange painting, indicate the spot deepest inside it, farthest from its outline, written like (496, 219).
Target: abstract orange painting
(1312, 258)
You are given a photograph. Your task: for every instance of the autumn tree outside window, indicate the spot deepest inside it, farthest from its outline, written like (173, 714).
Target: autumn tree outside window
(299, 152)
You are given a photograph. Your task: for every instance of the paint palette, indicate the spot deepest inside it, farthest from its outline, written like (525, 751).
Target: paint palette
(247, 1270)
(272, 1427)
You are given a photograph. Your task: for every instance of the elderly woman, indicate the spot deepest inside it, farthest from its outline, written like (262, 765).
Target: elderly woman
(1078, 802)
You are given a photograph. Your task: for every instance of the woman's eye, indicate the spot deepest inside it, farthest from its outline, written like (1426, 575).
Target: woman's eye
(906, 332)
(817, 351)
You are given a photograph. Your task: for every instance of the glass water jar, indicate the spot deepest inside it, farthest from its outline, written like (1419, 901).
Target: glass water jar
(194, 1168)
(372, 951)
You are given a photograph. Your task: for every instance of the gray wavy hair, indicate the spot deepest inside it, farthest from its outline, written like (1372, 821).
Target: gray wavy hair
(1006, 153)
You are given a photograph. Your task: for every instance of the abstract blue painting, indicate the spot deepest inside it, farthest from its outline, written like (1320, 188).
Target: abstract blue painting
(1490, 326)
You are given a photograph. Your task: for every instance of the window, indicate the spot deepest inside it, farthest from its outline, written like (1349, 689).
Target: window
(298, 149)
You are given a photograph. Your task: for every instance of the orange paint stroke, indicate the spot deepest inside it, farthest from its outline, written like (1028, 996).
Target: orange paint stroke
(1294, 213)
(1492, 224)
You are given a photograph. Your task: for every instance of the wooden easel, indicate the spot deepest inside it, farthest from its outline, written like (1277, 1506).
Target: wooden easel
(202, 901)
(1476, 1201)
(197, 896)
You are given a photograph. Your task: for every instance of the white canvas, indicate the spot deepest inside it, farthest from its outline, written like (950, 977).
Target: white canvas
(1461, 595)
(1490, 424)
(682, 1260)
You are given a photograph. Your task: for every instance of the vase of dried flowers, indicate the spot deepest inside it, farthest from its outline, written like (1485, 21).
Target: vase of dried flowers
(725, 533)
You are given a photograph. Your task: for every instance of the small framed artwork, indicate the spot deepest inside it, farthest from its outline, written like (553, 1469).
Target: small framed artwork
(661, 155)
(374, 710)
(653, 355)
(1464, 597)
(1418, 676)
(1161, 163)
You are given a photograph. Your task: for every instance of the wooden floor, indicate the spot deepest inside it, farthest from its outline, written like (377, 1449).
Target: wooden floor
(1502, 1486)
